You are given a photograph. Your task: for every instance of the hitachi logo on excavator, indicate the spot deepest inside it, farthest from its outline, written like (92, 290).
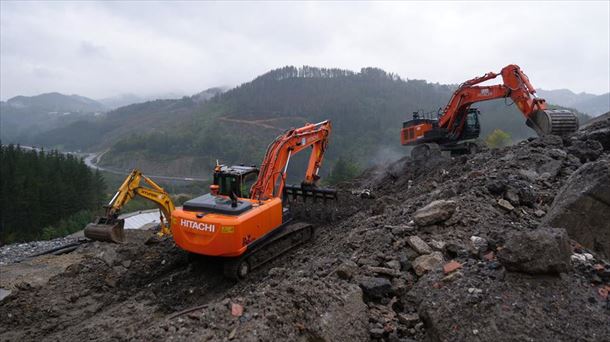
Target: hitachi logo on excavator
(204, 227)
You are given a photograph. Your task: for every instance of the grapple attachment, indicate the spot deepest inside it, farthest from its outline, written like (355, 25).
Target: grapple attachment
(553, 121)
(108, 230)
(313, 193)
(311, 203)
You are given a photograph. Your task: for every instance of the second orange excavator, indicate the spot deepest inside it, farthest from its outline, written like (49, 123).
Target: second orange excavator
(457, 126)
(244, 218)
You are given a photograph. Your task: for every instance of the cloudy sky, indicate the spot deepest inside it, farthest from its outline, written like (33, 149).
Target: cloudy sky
(105, 49)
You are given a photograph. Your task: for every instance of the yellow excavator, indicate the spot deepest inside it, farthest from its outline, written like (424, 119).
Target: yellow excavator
(110, 228)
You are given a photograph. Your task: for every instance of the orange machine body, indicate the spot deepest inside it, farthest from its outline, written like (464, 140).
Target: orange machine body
(225, 235)
(230, 220)
(414, 132)
(452, 123)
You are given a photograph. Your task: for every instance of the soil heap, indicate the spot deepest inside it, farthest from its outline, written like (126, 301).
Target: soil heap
(451, 249)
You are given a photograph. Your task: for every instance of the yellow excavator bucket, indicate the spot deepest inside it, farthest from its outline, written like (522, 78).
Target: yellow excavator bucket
(104, 230)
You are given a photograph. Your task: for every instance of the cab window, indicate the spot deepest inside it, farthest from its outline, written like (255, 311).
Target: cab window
(247, 183)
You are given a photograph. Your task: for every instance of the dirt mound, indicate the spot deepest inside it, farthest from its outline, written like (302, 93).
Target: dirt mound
(365, 277)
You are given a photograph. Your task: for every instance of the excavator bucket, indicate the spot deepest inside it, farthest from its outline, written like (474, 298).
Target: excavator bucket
(553, 121)
(106, 230)
(311, 203)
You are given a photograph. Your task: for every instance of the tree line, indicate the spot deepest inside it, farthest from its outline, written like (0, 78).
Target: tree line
(45, 194)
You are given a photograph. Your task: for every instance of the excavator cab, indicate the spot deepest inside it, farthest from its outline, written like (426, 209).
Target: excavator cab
(235, 180)
(472, 128)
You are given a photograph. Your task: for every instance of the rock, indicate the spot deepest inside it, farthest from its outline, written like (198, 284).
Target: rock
(557, 153)
(437, 245)
(410, 320)
(109, 256)
(393, 264)
(512, 196)
(474, 290)
(435, 212)
(426, 263)
(504, 204)
(578, 258)
(375, 288)
(527, 196)
(4, 293)
(418, 245)
(405, 263)
(582, 207)
(237, 310)
(347, 270)
(530, 175)
(585, 151)
(383, 270)
(451, 266)
(539, 213)
(541, 251)
(478, 245)
(551, 168)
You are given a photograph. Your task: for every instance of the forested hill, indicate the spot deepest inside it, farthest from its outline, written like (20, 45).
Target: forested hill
(45, 194)
(186, 137)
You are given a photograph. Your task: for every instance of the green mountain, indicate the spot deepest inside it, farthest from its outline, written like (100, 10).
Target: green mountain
(23, 117)
(185, 137)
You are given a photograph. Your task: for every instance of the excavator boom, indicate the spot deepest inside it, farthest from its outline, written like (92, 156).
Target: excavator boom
(110, 228)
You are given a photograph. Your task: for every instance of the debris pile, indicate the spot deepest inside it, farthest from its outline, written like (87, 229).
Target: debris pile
(458, 249)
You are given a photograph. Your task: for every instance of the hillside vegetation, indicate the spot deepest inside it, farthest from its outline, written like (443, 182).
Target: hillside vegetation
(45, 194)
(185, 137)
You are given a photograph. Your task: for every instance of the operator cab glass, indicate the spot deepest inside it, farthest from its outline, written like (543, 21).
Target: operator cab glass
(472, 128)
(235, 179)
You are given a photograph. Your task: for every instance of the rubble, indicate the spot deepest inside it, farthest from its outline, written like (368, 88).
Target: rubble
(582, 206)
(427, 263)
(361, 278)
(418, 245)
(541, 251)
(435, 212)
(375, 288)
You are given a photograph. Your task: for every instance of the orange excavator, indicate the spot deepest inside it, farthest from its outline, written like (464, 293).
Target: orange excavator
(457, 127)
(244, 218)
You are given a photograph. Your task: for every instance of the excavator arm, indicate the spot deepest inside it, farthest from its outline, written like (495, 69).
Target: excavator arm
(272, 176)
(110, 227)
(516, 85)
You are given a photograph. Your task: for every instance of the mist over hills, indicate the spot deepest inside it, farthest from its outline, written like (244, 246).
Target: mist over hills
(23, 117)
(186, 136)
(591, 104)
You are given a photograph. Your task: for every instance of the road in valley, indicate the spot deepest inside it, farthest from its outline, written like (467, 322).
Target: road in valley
(91, 159)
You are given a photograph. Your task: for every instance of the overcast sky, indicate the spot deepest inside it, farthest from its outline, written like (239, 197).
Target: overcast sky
(105, 49)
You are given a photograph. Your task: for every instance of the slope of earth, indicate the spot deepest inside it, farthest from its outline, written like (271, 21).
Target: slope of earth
(391, 268)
